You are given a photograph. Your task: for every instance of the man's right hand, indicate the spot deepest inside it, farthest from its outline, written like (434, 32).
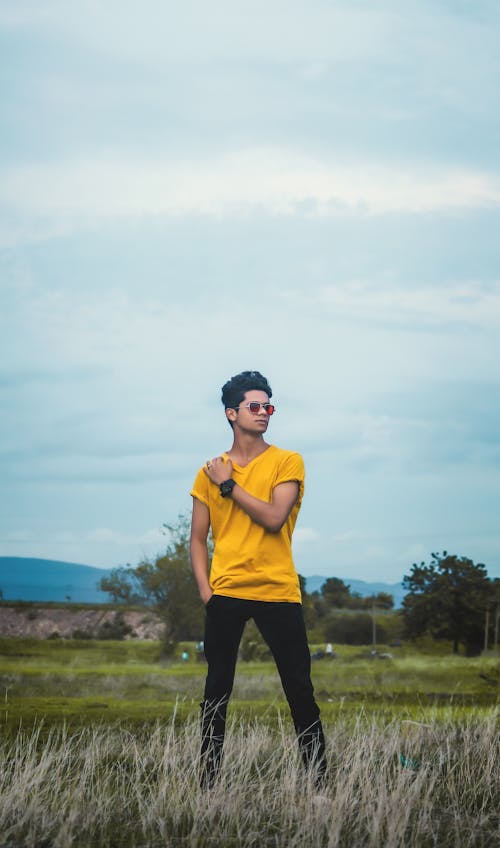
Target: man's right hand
(206, 595)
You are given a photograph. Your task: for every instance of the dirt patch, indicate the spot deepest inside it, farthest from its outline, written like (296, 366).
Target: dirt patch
(45, 623)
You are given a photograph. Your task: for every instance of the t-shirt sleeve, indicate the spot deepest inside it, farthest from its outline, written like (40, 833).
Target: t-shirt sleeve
(291, 468)
(200, 487)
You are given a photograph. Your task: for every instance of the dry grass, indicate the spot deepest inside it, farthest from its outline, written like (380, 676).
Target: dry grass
(107, 786)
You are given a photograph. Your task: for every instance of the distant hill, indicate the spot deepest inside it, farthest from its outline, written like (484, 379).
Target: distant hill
(314, 583)
(26, 579)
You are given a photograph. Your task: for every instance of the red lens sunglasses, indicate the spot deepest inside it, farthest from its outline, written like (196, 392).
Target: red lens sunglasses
(254, 406)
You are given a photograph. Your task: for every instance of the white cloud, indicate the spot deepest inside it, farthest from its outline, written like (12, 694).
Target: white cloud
(105, 535)
(99, 535)
(305, 534)
(196, 31)
(273, 181)
(100, 546)
(272, 30)
(473, 303)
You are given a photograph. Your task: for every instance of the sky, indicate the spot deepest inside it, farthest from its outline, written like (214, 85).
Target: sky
(309, 188)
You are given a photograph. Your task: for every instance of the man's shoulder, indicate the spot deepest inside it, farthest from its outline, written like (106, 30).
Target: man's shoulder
(287, 465)
(284, 453)
(287, 461)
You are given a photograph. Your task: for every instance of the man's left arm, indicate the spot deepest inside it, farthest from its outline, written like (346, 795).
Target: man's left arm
(271, 516)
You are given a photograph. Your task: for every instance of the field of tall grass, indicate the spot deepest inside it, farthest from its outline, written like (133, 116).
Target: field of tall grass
(100, 741)
(108, 786)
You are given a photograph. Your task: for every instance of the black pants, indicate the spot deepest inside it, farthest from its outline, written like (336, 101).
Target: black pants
(282, 627)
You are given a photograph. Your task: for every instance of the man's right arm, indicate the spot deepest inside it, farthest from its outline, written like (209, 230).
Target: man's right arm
(200, 525)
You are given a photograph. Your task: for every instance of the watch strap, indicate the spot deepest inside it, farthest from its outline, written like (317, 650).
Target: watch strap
(226, 487)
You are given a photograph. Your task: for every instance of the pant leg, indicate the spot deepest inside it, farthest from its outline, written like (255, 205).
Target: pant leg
(282, 626)
(224, 623)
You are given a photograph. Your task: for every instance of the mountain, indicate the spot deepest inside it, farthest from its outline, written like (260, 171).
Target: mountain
(314, 583)
(26, 579)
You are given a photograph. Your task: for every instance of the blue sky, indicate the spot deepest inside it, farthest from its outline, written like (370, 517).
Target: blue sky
(311, 189)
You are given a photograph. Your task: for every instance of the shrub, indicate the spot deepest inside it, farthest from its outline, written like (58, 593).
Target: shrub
(116, 629)
(252, 646)
(352, 629)
(81, 634)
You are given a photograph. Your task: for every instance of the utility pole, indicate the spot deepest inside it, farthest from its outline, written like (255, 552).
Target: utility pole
(486, 629)
(374, 626)
(497, 620)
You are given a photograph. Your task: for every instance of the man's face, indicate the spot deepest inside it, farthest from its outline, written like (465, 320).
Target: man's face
(246, 420)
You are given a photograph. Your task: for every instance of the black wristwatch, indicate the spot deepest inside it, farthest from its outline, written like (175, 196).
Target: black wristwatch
(226, 487)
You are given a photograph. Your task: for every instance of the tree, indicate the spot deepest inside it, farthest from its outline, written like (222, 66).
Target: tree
(352, 628)
(166, 584)
(336, 593)
(122, 585)
(383, 600)
(308, 607)
(447, 599)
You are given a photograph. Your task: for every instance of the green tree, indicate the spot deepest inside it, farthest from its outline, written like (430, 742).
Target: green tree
(166, 584)
(252, 646)
(308, 607)
(352, 628)
(336, 593)
(448, 599)
(122, 586)
(383, 600)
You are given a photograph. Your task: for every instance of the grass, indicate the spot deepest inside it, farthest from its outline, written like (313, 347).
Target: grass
(99, 744)
(105, 786)
(85, 681)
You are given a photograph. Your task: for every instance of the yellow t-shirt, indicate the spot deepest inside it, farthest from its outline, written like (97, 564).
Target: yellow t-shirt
(249, 562)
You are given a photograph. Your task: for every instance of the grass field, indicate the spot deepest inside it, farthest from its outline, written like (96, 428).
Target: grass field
(85, 681)
(99, 748)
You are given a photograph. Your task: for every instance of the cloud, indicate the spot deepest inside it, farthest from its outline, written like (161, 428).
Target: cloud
(112, 411)
(473, 303)
(281, 30)
(305, 534)
(99, 546)
(67, 196)
(106, 535)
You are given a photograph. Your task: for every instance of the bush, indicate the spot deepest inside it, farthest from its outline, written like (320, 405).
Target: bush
(252, 646)
(169, 643)
(352, 629)
(116, 629)
(81, 634)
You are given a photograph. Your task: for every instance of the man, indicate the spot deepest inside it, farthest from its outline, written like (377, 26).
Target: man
(250, 497)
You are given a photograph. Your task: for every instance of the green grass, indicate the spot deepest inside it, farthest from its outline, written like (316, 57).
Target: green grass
(85, 681)
(62, 650)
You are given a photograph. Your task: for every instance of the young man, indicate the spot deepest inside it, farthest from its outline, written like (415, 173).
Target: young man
(250, 497)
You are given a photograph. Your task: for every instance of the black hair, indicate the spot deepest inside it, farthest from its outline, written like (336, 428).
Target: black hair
(233, 392)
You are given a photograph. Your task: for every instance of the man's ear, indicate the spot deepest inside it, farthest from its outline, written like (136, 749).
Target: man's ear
(231, 414)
